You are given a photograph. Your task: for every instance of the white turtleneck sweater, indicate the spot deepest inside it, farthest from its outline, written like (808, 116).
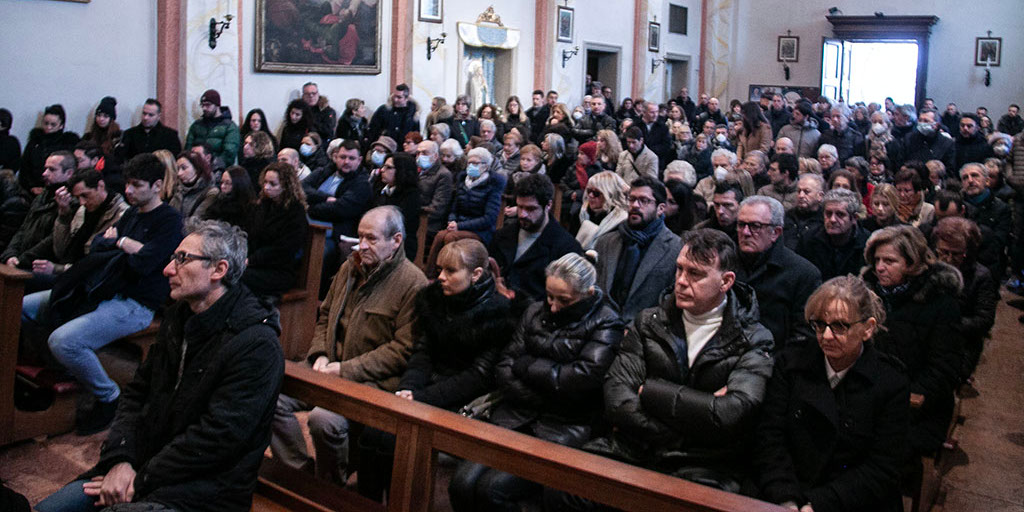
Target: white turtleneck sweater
(700, 329)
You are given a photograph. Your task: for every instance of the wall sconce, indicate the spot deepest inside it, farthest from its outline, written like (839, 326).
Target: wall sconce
(655, 63)
(568, 54)
(432, 44)
(216, 28)
(785, 69)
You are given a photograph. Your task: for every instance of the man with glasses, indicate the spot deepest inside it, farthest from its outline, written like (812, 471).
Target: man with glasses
(325, 118)
(782, 279)
(634, 262)
(195, 420)
(112, 292)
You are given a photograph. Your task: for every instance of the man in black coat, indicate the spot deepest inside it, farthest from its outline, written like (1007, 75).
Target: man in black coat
(538, 114)
(926, 142)
(42, 212)
(656, 135)
(325, 118)
(395, 119)
(195, 421)
(686, 103)
(778, 114)
(971, 145)
(635, 261)
(806, 217)
(837, 248)
(150, 134)
(838, 132)
(588, 126)
(524, 248)
(989, 212)
(1011, 123)
(782, 279)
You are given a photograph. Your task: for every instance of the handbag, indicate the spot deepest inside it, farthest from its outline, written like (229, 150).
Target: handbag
(482, 406)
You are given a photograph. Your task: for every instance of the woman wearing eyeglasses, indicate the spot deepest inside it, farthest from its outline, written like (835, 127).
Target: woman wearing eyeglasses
(835, 417)
(920, 297)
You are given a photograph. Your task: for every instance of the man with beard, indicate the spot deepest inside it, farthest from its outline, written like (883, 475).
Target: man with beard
(38, 223)
(778, 114)
(215, 128)
(971, 145)
(634, 263)
(782, 280)
(150, 134)
(524, 248)
(806, 217)
(837, 248)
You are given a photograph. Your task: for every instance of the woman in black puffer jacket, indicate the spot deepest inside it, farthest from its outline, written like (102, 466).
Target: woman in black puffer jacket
(462, 325)
(551, 376)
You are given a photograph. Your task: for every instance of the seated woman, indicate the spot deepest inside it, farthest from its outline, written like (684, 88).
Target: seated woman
(236, 200)
(475, 206)
(682, 210)
(835, 416)
(298, 122)
(608, 149)
(255, 121)
(605, 207)
(909, 185)
(531, 161)
(170, 174)
(278, 234)
(257, 153)
(920, 296)
(575, 182)
(461, 327)
(452, 156)
(313, 152)
(551, 375)
(956, 241)
(557, 159)
(194, 191)
(398, 185)
(884, 203)
(844, 178)
(509, 156)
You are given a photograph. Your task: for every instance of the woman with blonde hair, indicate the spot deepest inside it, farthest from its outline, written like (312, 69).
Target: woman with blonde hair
(608, 149)
(170, 174)
(885, 202)
(604, 207)
(809, 165)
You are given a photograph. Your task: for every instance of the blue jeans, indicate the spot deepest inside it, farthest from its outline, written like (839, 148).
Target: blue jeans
(72, 498)
(75, 343)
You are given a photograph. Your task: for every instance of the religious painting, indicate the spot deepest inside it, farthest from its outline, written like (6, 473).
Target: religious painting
(988, 51)
(430, 10)
(653, 36)
(319, 36)
(565, 21)
(789, 49)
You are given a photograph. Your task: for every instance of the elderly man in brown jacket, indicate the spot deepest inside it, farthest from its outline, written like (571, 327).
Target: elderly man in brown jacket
(364, 334)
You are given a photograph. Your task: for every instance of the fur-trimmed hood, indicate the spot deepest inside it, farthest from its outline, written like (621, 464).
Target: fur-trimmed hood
(939, 278)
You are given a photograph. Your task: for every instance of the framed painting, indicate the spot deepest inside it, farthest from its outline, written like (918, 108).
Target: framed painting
(789, 49)
(308, 36)
(653, 36)
(565, 19)
(988, 51)
(431, 11)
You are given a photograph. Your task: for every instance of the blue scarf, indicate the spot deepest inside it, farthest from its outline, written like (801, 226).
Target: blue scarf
(635, 243)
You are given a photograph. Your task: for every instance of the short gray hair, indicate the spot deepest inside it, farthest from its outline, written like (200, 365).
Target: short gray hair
(432, 147)
(222, 241)
(830, 149)
(981, 168)
(443, 129)
(483, 154)
(778, 212)
(682, 170)
(394, 222)
(575, 270)
(817, 178)
(849, 198)
(727, 153)
(453, 146)
(487, 122)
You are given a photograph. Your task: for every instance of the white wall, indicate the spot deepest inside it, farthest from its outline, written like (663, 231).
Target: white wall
(74, 54)
(604, 23)
(675, 46)
(952, 75)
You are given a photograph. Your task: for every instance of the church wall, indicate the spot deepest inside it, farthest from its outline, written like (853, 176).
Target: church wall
(952, 75)
(74, 54)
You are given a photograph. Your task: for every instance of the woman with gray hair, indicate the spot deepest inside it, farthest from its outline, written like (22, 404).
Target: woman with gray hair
(552, 375)
(440, 132)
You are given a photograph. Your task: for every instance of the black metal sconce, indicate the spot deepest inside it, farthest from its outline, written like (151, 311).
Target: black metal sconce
(217, 28)
(988, 77)
(568, 54)
(655, 63)
(785, 70)
(432, 44)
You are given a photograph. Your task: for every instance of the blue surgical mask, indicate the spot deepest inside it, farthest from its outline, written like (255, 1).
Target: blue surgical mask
(473, 171)
(306, 150)
(423, 162)
(377, 158)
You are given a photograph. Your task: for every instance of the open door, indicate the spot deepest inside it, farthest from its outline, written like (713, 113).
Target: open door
(835, 73)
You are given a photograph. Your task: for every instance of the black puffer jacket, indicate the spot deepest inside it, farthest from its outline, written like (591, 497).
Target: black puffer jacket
(921, 330)
(553, 370)
(458, 341)
(196, 442)
(978, 301)
(677, 420)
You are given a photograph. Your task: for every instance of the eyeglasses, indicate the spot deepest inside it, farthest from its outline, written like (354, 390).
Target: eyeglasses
(642, 201)
(942, 253)
(838, 328)
(594, 193)
(181, 258)
(753, 226)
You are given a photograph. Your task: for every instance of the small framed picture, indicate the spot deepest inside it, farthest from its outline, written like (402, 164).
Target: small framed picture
(654, 36)
(565, 20)
(431, 11)
(988, 51)
(789, 49)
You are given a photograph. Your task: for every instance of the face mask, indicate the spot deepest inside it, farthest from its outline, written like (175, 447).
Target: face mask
(878, 128)
(1001, 150)
(305, 150)
(377, 158)
(577, 115)
(473, 171)
(720, 138)
(926, 129)
(423, 162)
(721, 173)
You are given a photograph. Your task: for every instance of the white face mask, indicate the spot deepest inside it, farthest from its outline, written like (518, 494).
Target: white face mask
(577, 115)
(721, 173)
(720, 137)
(878, 128)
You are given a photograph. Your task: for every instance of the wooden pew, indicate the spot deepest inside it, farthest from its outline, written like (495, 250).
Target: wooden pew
(422, 431)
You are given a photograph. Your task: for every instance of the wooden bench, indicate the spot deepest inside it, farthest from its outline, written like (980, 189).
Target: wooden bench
(298, 310)
(422, 431)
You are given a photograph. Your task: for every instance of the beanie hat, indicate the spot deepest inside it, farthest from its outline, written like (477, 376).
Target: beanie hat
(589, 149)
(211, 96)
(387, 143)
(107, 106)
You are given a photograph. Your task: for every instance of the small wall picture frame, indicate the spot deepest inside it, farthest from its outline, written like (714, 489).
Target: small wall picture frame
(565, 18)
(654, 36)
(988, 51)
(431, 11)
(789, 49)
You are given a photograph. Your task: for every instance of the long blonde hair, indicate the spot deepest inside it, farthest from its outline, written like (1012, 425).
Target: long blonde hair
(612, 146)
(170, 173)
(612, 187)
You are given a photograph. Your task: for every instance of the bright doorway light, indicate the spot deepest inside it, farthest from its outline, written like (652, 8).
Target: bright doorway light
(882, 69)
